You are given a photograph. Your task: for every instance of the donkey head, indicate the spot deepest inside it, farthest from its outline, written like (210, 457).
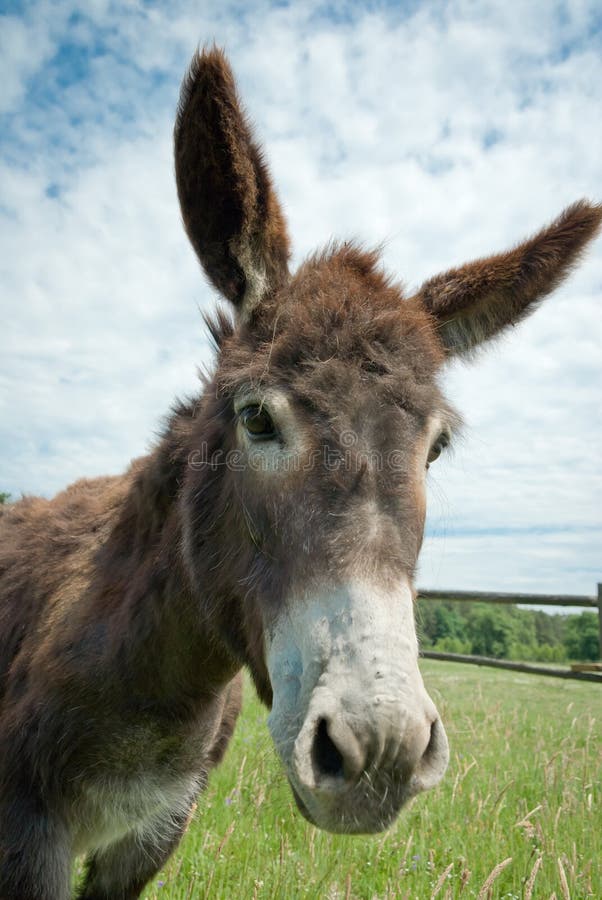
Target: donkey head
(322, 419)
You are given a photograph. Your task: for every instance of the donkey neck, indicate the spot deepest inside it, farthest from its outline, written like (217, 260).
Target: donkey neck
(155, 618)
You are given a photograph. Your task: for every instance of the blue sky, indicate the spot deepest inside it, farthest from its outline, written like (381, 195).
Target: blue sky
(443, 130)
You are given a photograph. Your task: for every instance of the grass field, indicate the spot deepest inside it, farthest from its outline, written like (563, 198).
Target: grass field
(517, 816)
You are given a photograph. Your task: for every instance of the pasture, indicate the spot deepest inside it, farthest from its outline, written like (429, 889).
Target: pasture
(518, 814)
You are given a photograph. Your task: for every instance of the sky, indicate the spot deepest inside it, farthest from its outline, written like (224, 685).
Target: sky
(442, 130)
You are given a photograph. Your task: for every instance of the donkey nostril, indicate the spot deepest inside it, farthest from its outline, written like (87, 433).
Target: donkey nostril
(326, 758)
(434, 760)
(430, 747)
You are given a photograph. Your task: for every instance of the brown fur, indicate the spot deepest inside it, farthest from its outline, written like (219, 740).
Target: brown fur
(232, 216)
(128, 605)
(481, 299)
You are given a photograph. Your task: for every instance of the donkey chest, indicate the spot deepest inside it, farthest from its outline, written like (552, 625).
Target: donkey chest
(108, 809)
(143, 778)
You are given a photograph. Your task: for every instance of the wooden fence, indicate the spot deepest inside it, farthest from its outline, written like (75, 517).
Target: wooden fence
(527, 600)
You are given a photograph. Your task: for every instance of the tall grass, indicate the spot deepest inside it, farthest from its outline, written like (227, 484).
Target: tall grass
(517, 816)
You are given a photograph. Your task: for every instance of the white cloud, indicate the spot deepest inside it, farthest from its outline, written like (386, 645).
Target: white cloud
(449, 131)
(563, 562)
(22, 50)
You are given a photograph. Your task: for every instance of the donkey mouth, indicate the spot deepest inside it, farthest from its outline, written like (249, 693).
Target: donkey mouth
(355, 812)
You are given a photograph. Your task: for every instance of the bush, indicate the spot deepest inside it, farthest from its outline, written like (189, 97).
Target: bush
(452, 645)
(534, 653)
(522, 652)
(581, 639)
(549, 653)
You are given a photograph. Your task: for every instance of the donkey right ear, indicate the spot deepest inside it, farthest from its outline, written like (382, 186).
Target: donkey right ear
(483, 298)
(230, 210)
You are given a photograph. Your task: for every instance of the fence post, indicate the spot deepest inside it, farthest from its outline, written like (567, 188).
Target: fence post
(600, 619)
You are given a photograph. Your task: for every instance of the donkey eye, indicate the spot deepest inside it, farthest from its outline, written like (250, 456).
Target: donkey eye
(437, 448)
(257, 423)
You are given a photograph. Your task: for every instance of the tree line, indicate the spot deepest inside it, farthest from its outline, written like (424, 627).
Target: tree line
(507, 632)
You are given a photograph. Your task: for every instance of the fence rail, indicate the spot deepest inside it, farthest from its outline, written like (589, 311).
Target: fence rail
(499, 597)
(526, 600)
(514, 666)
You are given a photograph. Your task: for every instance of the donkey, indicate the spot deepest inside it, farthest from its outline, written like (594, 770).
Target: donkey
(276, 525)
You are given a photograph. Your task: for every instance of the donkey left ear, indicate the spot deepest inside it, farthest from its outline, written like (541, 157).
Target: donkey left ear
(230, 209)
(477, 301)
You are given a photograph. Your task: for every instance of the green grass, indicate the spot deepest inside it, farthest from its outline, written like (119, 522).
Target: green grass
(520, 801)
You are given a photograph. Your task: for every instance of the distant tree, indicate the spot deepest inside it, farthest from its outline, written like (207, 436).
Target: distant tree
(550, 628)
(581, 639)
(523, 626)
(491, 631)
(449, 623)
(438, 620)
(4, 497)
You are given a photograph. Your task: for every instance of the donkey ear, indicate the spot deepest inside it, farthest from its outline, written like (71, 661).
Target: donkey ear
(230, 210)
(477, 301)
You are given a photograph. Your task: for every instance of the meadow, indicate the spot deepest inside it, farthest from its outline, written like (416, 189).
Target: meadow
(517, 816)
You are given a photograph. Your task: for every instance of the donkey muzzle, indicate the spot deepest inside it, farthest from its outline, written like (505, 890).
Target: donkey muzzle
(352, 722)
